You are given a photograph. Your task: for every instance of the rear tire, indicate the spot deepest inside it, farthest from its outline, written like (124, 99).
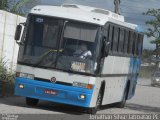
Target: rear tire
(98, 104)
(31, 101)
(123, 102)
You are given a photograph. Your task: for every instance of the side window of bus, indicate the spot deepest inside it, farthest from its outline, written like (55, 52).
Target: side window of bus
(126, 40)
(110, 36)
(130, 45)
(115, 40)
(106, 30)
(121, 41)
(134, 44)
(139, 45)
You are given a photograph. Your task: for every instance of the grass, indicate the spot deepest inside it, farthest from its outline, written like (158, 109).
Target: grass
(146, 72)
(7, 79)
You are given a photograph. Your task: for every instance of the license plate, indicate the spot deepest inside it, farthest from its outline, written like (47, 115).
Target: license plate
(51, 92)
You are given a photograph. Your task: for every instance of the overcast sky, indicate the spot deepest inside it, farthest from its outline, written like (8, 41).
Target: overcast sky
(131, 9)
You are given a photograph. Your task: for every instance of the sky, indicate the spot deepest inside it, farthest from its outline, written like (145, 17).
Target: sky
(131, 9)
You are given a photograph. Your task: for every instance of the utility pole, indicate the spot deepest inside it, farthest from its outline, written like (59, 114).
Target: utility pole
(117, 8)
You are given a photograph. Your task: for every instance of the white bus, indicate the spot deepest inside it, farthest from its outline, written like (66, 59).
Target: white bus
(77, 55)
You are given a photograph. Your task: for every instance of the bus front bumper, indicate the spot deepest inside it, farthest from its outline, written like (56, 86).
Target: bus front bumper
(57, 93)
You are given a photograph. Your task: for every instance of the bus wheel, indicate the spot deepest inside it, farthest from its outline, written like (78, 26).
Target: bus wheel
(31, 101)
(123, 102)
(98, 104)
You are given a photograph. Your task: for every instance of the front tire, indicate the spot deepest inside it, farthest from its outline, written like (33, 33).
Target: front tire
(98, 104)
(31, 101)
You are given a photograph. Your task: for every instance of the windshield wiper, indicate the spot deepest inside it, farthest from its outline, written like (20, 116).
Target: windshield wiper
(45, 55)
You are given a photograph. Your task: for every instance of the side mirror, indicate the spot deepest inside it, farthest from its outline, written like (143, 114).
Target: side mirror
(18, 32)
(106, 46)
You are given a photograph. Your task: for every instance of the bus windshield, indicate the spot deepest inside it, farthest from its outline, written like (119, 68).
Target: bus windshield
(50, 44)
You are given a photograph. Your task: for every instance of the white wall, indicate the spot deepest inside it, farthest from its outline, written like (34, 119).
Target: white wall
(8, 46)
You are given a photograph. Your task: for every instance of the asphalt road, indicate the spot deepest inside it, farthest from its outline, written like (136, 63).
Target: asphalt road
(145, 101)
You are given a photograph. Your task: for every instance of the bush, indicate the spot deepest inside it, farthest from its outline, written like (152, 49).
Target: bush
(6, 80)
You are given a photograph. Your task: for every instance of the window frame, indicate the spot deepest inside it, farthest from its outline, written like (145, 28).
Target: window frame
(121, 40)
(124, 49)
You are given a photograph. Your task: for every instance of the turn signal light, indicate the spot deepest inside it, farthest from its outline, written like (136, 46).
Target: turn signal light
(89, 86)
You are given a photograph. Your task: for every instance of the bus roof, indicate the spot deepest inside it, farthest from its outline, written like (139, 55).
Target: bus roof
(81, 13)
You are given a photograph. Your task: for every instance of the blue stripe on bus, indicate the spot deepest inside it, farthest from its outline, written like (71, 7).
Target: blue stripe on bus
(65, 94)
(133, 71)
(134, 65)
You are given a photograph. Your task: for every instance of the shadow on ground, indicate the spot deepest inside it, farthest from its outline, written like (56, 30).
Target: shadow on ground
(47, 106)
(43, 105)
(66, 109)
(142, 108)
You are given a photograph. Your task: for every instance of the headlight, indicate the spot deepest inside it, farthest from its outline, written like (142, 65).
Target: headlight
(82, 96)
(25, 75)
(30, 76)
(78, 84)
(157, 80)
(82, 85)
(21, 86)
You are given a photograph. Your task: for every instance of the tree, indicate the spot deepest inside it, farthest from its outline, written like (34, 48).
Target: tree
(146, 55)
(4, 4)
(153, 30)
(16, 7)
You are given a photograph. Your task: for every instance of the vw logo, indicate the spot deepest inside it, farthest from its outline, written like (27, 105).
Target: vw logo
(53, 80)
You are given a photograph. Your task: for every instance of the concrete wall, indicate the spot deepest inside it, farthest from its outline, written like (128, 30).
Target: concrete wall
(8, 46)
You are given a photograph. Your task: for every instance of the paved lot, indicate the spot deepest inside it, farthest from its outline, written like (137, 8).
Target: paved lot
(146, 100)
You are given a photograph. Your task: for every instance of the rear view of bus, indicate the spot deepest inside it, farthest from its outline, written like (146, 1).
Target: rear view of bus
(77, 55)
